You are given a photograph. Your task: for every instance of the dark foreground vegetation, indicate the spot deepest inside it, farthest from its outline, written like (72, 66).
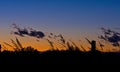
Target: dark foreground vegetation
(72, 56)
(59, 58)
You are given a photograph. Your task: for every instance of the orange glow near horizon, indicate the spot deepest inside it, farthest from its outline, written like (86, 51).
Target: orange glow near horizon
(43, 45)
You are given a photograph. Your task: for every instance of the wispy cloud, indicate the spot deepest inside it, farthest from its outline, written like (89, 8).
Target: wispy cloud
(110, 36)
(117, 28)
(27, 31)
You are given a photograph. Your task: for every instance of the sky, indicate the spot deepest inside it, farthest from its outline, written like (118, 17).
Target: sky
(75, 19)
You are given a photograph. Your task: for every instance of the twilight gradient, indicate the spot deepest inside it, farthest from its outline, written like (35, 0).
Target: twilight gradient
(75, 19)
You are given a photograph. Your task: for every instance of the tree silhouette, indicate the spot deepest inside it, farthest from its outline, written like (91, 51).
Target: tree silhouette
(93, 45)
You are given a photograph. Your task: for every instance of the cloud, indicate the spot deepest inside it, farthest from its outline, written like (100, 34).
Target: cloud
(27, 31)
(110, 36)
(117, 28)
(37, 34)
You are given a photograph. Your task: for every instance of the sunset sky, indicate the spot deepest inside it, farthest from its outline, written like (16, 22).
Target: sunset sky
(75, 19)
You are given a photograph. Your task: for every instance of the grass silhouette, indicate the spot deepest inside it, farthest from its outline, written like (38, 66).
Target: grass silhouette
(71, 55)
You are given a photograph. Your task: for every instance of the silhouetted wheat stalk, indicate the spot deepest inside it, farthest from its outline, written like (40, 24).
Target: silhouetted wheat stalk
(101, 45)
(16, 48)
(88, 40)
(8, 44)
(74, 45)
(83, 48)
(62, 38)
(51, 44)
(70, 47)
(19, 44)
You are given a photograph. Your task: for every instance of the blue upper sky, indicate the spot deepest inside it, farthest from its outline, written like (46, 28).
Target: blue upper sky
(63, 16)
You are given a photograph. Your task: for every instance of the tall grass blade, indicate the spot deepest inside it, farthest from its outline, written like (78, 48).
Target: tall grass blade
(62, 39)
(51, 44)
(88, 40)
(16, 46)
(101, 45)
(83, 48)
(19, 44)
(74, 44)
(7, 44)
